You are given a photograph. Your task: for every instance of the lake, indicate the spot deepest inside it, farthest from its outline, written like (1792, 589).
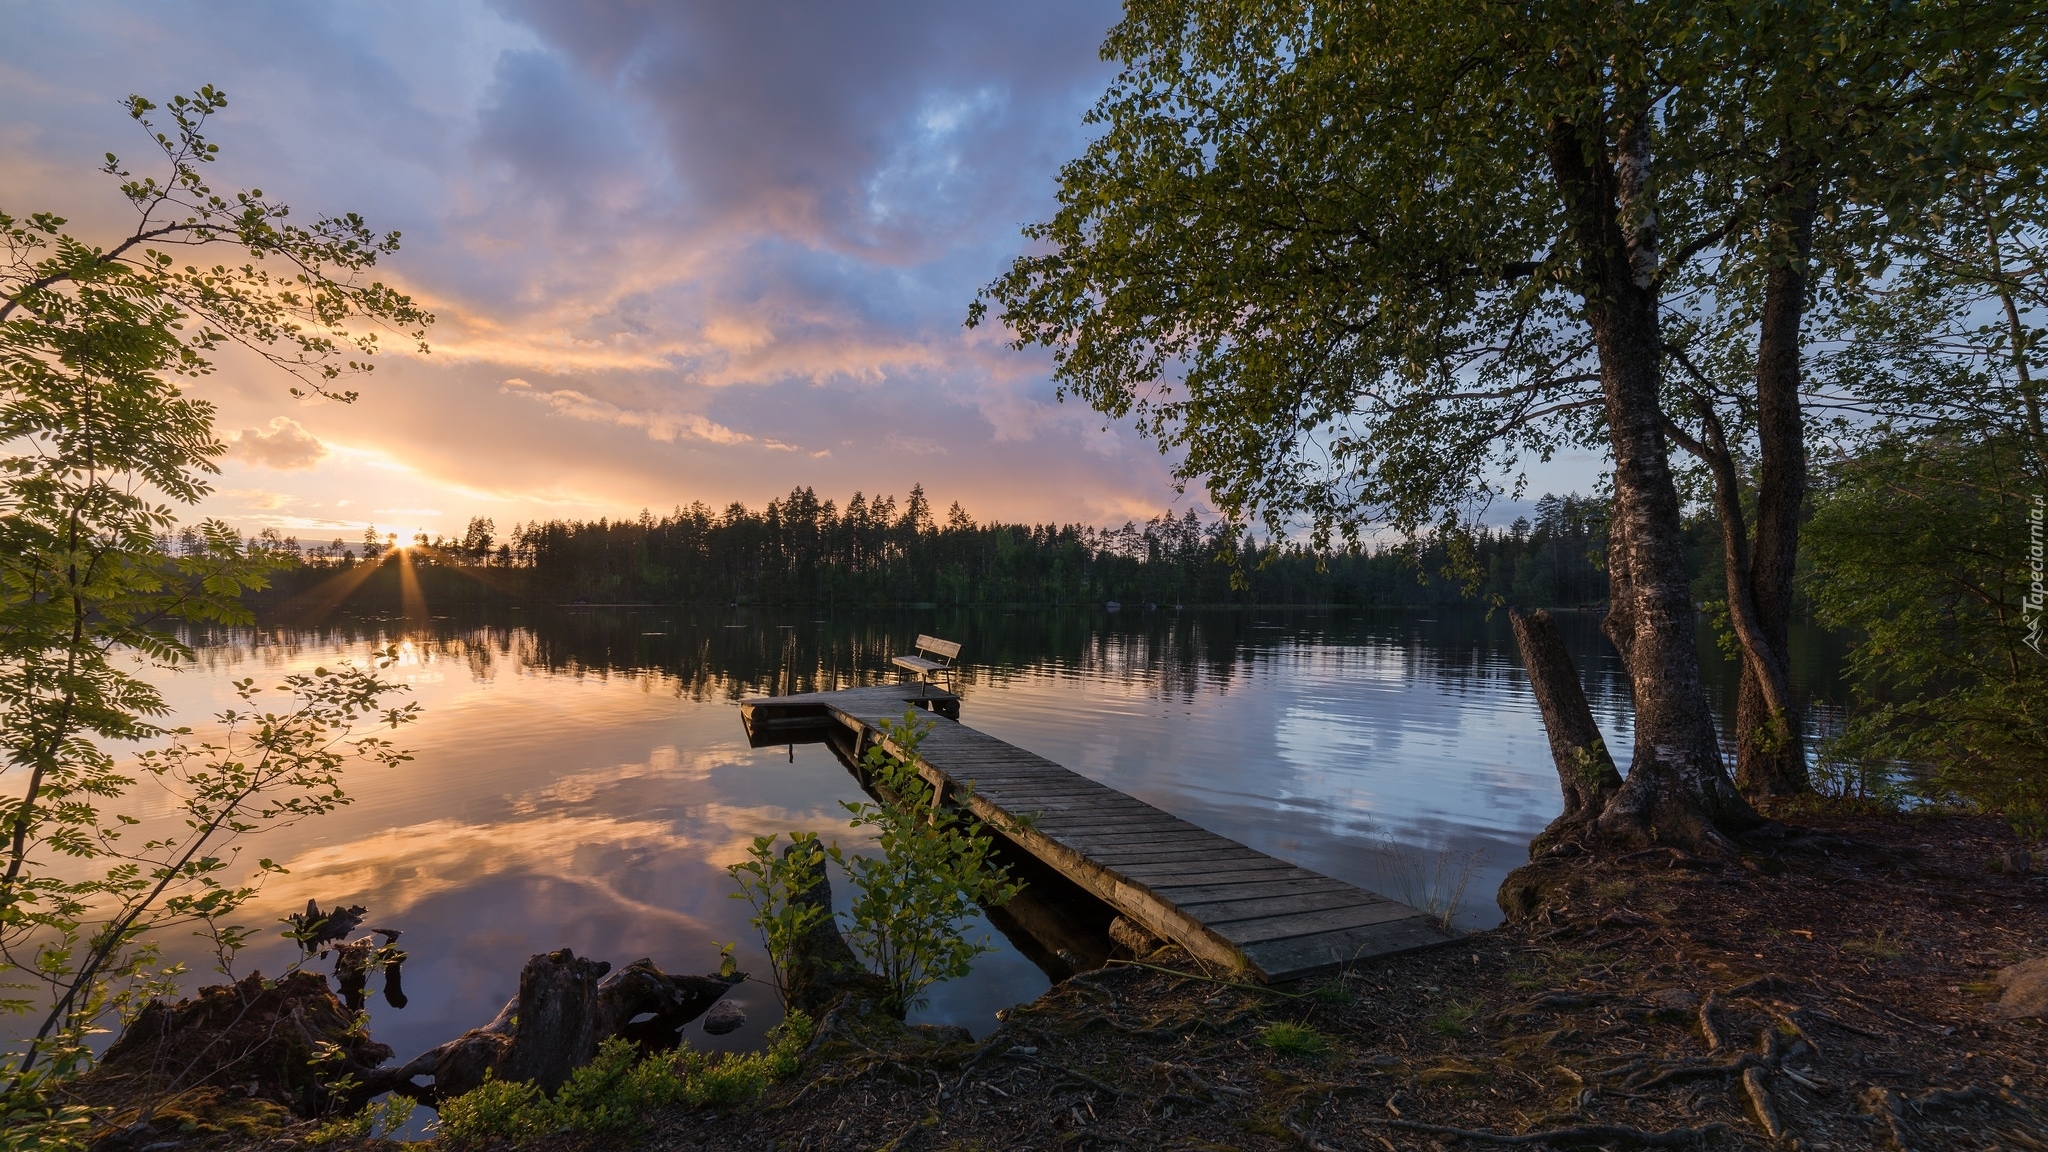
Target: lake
(581, 776)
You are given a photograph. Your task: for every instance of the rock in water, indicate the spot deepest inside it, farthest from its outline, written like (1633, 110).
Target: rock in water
(725, 1016)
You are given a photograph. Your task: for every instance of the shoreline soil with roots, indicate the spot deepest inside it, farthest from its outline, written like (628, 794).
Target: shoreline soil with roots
(1838, 991)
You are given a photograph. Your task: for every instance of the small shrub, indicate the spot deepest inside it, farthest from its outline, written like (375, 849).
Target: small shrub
(733, 1080)
(381, 1118)
(1293, 1039)
(615, 1091)
(1877, 947)
(909, 903)
(787, 1043)
(514, 1111)
(1434, 886)
(614, 1094)
(774, 884)
(1335, 992)
(34, 1119)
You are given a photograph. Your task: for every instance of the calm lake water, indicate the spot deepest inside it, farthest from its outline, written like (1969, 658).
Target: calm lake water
(581, 777)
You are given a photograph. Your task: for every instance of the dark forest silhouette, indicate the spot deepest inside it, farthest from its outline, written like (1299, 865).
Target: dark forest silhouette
(877, 551)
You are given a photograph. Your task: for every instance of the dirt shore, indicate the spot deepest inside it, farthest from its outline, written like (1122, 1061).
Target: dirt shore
(1846, 984)
(1832, 992)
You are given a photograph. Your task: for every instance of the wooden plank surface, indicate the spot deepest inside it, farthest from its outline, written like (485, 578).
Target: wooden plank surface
(1223, 901)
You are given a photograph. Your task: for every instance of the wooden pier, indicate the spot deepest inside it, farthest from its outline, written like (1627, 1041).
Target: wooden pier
(1225, 903)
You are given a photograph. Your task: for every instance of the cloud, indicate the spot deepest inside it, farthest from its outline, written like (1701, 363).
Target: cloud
(663, 426)
(258, 500)
(715, 238)
(284, 446)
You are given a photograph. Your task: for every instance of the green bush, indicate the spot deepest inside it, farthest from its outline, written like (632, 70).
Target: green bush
(618, 1090)
(380, 1119)
(774, 883)
(510, 1110)
(909, 903)
(787, 1043)
(1920, 548)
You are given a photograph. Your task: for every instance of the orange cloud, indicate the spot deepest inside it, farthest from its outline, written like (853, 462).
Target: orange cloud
(663, 426)
(285, 445)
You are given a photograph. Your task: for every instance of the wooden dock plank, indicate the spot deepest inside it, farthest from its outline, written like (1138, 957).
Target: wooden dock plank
(1205, 849)
(1330, 949)
(1274, 904)
(1177, 873)
(1108, 836)
(1225, 902)
(1242, 932)
(1069, 805)
(1195, 895)
(1110, 849)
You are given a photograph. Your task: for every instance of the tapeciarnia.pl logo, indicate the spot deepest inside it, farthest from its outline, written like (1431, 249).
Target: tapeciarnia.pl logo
(2037, 564)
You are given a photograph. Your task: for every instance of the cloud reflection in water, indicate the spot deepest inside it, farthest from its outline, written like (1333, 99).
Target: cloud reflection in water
(581, 778)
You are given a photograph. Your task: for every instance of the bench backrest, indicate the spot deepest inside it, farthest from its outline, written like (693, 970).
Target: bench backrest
(943, 649)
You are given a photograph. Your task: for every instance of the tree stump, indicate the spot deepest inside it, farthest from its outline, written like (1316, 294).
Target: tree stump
(560, 1021)
(567, 1006)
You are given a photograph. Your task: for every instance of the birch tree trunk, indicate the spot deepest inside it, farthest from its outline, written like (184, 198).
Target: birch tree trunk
(1677, 791)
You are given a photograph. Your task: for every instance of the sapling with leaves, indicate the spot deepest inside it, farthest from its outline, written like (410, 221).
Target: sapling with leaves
(775, 883)
(256, 770)
(935, 866)
(105, 443)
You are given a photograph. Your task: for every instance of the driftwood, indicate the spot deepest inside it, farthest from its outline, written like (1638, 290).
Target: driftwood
(566, 1007)
(288, 1041)
(1584, 768)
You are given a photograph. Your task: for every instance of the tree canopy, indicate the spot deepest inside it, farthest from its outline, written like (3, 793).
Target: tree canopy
(1351, 264)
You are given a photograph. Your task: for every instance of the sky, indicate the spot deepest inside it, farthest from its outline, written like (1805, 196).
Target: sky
(678, 251)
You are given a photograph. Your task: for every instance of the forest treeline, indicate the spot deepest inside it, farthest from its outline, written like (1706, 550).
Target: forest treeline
(876, 551)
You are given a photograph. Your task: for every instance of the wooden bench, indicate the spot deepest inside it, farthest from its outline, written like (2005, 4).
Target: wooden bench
(938, 657)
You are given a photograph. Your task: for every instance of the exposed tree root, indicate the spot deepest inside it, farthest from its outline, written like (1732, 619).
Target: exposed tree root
(1694, 1069)
(1893, 1107)
(1069, 1073)
(1620, 1134)
(1301, 1133)
(1760, 1101)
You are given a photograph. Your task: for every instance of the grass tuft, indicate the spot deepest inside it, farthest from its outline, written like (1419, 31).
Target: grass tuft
(1334, 992)
(1876, 947)
(1293, 1039)
(1455, 1019)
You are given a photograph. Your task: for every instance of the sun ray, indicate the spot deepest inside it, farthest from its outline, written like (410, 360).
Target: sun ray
(317, 603)
(413, 601)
